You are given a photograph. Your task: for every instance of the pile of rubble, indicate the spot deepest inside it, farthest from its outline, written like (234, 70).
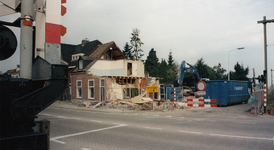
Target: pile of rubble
(137, 103)
(142, 103)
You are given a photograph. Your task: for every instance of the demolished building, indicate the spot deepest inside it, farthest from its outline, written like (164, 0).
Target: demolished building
(104, 74)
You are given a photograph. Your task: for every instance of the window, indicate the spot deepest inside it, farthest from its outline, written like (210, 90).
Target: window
(102, 83)
(81, 64)
(129, 69)
(79, 89)
(131, 92)
(102, 90)
(91, 89)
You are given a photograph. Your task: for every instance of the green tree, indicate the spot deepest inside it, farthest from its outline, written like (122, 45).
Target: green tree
(172, 73)
(163, 71)
(219, 72)
(188, 79)
(152, 63)
(170, 60)
(202, 68)
(240, 73)
(173, 69)
(127, 51)
(136, 44)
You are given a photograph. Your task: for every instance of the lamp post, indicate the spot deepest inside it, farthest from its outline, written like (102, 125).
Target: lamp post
(240, 48)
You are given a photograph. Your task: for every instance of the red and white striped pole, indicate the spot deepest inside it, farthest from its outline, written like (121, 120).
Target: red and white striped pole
(174, 95)
(265, 97)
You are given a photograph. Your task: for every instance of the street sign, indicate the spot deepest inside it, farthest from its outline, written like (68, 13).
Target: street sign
(152, 89)
(201, 93)
(201, 85)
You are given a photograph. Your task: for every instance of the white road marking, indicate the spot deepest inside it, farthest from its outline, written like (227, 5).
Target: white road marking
(168, 116)
(75, 118)
(58, 141)
(84, 149)
(55, 139)
(61, 117)
(191, 132)
(153, 128)
(247, 122)
(199, 119)
(243, 137)
(95, 121)
(46, 114)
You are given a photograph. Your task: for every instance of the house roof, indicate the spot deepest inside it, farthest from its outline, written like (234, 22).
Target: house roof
(102, 49)
(110, 48)
(67, 49)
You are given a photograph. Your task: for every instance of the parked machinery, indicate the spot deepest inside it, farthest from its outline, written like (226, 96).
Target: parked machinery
(43, 75)
(181, 90)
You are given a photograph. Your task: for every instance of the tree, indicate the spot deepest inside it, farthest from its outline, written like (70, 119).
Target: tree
(202, 68)
(188, 79)
(163, 71)
(170, 59)
(219, 72)
(136, 44)
(173, 69)
(152, 64)
(127, 51)
(240, 73)
(172, 73)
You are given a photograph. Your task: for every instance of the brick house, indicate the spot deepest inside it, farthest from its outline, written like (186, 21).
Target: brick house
(105, 74)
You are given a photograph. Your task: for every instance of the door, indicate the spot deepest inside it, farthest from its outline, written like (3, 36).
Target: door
(102, 90)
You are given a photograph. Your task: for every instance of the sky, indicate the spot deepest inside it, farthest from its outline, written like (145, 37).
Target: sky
(190, 29)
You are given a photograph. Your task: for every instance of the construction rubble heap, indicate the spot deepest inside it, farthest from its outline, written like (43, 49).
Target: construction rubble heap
(137, 103)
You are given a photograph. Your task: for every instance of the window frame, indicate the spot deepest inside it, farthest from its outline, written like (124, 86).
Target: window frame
(89, 96)
(79, 95)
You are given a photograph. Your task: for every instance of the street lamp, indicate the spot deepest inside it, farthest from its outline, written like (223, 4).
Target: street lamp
(240, 48)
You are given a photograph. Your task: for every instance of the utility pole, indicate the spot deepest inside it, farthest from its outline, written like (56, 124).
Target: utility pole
(264, 22)
(271, 79)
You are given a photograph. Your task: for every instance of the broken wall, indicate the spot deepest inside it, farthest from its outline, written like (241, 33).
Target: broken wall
(117, 91)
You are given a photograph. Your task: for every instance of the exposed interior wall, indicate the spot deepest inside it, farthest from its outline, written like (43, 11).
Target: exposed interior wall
(107, 68)
(137, 68)
(118, 68)
(116, 91)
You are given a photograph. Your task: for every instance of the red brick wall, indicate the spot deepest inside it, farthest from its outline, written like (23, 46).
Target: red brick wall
(84, 78)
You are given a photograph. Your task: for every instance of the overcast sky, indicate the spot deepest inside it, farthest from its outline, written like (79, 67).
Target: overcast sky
(190, 29)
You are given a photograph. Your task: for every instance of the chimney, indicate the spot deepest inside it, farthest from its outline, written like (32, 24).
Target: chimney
(84, 41)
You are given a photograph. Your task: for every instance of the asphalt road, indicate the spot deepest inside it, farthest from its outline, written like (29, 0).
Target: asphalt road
(227, 128)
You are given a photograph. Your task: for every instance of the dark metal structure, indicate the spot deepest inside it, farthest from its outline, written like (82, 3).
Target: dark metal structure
(21, 99)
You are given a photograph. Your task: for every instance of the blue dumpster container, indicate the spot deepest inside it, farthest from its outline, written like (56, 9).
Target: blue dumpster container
(227, 92)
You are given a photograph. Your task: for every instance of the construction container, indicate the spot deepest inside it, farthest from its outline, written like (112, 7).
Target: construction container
(227, 92)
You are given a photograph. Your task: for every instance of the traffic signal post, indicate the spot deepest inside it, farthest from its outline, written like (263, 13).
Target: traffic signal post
(264, 22)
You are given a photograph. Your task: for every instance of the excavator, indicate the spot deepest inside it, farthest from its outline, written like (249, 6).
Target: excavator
(43, 74)
(181, 90)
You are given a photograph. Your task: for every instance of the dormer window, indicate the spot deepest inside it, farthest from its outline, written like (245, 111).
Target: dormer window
(80, 64)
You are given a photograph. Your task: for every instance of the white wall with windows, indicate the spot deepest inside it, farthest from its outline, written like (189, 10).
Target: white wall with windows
(76, 56)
